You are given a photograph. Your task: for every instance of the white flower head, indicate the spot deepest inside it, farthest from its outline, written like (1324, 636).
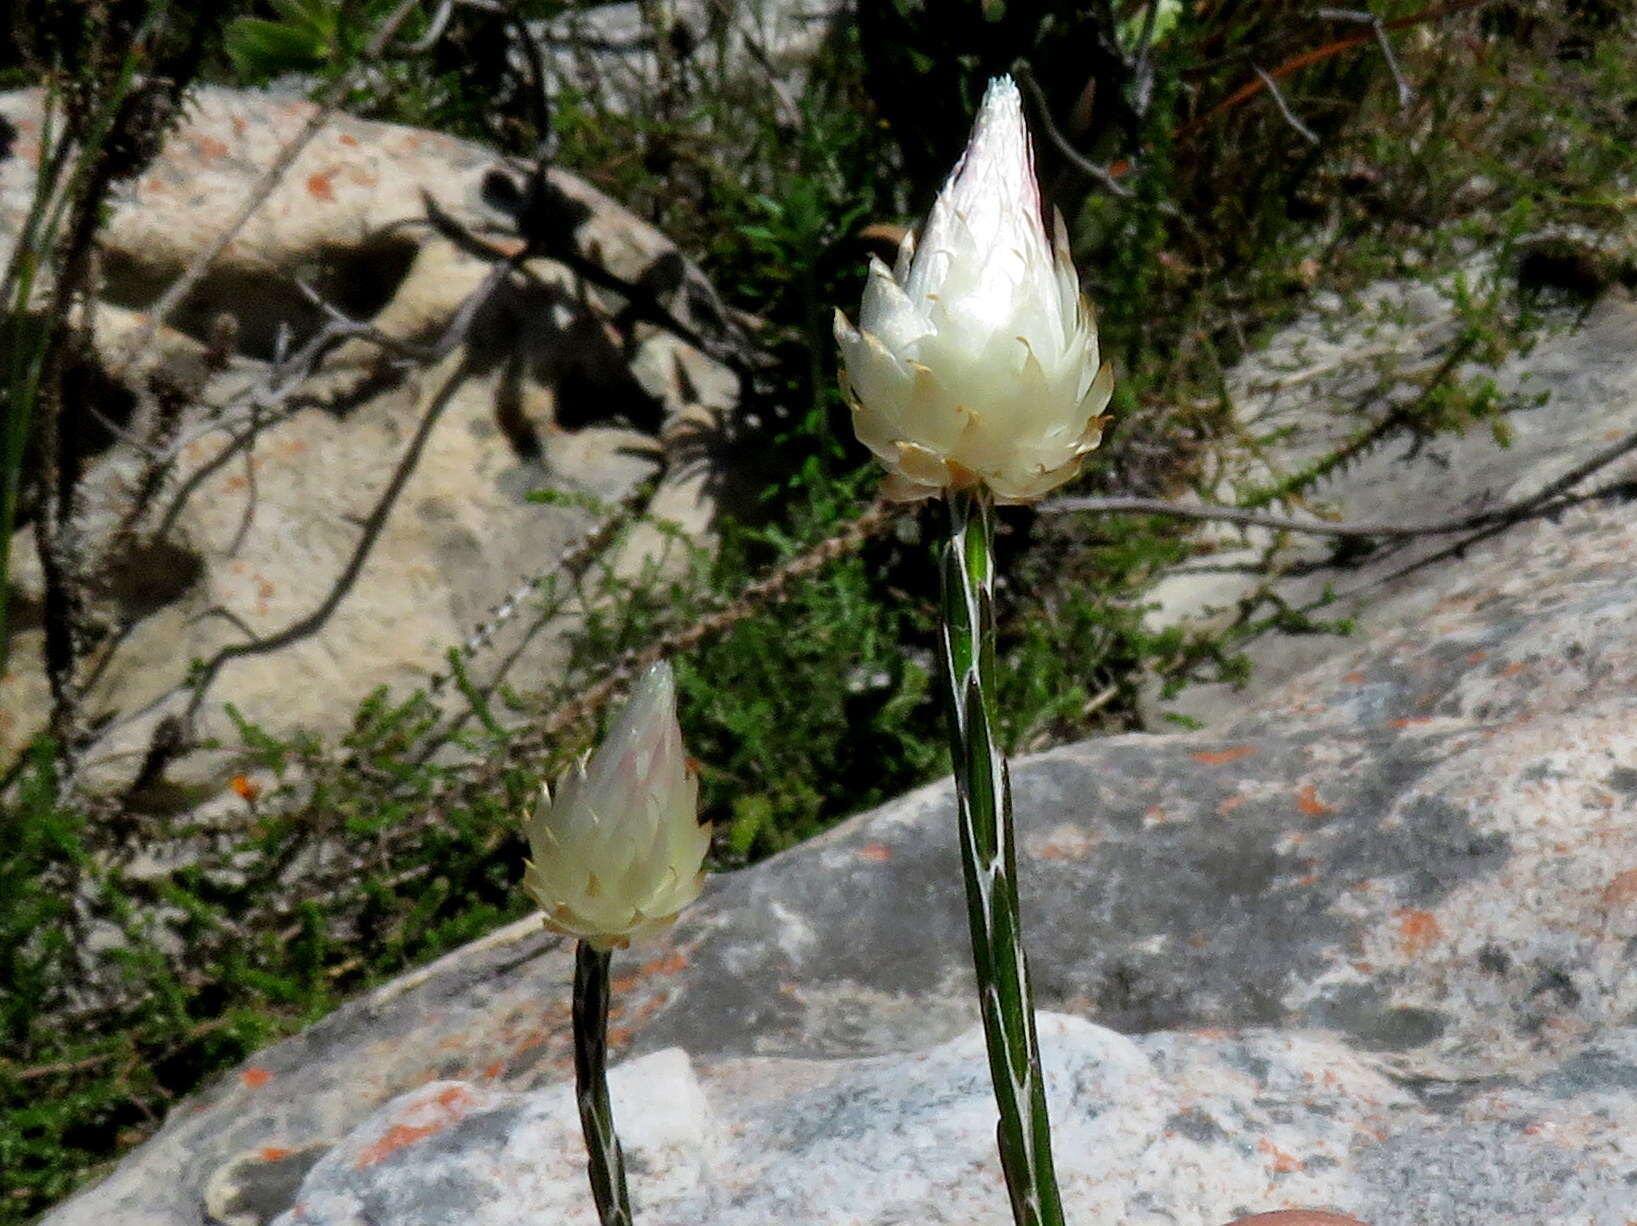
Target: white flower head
(975, 360)
(617, 853)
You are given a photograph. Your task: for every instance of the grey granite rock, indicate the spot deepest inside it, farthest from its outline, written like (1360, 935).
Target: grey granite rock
(1569, 398)
(1179, 1129)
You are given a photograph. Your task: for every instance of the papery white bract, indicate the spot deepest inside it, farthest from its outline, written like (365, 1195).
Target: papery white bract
(975, 360)
(617, 853)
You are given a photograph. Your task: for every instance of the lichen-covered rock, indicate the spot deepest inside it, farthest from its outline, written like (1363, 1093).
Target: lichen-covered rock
(382, 509)
(1179, 1129)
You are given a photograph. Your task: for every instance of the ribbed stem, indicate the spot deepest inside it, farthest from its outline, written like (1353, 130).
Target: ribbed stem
(606, 1164)
(983, 789)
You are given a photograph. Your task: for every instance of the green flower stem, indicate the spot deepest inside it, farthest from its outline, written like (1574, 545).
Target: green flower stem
(983, 788)
(606, 1165)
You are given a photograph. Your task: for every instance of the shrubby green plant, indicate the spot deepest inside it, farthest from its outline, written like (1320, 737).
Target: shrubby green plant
(303, 36)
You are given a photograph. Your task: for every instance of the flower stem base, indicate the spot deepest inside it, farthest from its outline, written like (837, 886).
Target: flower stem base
(606, 1162)
(983, 790)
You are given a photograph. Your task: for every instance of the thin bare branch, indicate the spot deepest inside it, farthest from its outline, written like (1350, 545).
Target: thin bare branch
(1406, 95)
(1551, 498)
(789, 111)
(1302, 130)
(434, 29)
(1078, 160)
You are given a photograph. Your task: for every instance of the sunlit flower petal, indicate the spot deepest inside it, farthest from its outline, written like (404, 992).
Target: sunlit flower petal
(975, 359)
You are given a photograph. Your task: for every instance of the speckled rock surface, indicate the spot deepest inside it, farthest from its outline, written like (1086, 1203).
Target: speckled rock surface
(1569, 398)
(1176, 1129)
(1403, 875)
(554, 390)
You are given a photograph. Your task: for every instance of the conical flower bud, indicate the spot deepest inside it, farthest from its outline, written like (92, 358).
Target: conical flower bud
(975, 360)
(617, 853)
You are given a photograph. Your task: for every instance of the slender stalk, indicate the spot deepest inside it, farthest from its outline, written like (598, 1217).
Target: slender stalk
(983, 788)
(606, 1164)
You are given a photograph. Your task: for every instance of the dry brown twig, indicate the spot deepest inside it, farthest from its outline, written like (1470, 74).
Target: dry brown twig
(752, 599)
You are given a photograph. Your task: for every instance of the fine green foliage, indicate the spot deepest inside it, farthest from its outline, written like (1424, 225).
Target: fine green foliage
(127, 984)
(303, 36)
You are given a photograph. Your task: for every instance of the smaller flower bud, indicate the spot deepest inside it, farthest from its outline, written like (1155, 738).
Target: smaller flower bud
(618, 852)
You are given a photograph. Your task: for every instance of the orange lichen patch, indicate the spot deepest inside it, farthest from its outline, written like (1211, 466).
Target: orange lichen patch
(1307, 800)
(875, 853)
(447, 1108)
(255, 1077)
(670, 964)
(620, 1036)
(1221, 757)
(537, 1038)
(320, 187)
(1283, 1163)
(1418, 931)
(624, 983)
(273, 1153)
(209, 148)
(1621, 890)
(1477, 657)
(1229, 804)
(245, 788)
(492, 1071)
(345, 139)
(1354, 678)
(1409, 721)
